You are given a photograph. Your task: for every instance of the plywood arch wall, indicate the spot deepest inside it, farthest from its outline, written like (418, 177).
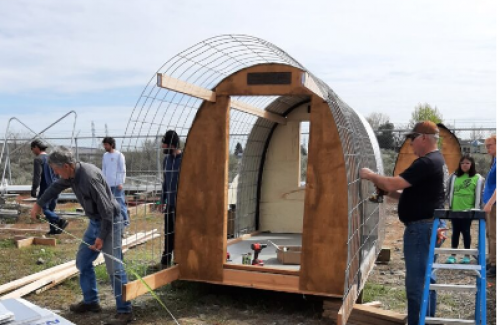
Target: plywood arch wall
(448, 145)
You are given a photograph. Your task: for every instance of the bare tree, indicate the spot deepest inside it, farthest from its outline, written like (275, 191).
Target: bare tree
(377, 119)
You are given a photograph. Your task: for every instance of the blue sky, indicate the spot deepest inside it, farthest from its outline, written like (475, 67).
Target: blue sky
(95, 57)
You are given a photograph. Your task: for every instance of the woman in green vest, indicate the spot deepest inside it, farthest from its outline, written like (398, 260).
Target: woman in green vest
(464, 192)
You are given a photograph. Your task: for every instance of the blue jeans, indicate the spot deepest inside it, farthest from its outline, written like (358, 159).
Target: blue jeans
(120, 198)
(50, 215)
(112, 245)
(417, 237)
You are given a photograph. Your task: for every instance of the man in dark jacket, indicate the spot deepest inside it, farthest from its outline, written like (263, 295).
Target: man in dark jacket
(171, 167)
(43, 177)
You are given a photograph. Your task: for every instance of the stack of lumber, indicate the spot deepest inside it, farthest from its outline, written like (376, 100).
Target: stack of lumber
(364, 314)
(49, 278)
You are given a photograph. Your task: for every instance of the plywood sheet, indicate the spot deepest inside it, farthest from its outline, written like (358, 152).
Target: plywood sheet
(324, 238)
(200, 241)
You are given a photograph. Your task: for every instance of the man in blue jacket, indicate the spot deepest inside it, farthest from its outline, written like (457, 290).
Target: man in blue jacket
(43, 177)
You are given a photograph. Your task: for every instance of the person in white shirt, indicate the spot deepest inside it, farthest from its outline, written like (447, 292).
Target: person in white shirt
(115, 172)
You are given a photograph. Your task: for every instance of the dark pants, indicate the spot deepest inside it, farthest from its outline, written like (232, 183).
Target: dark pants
(169, 228)
(460, 226)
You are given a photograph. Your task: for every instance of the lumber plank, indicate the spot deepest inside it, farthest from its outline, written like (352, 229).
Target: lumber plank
(136, 288)
(165, 81)
(24, 242)
(57, 274)
(244, 107)
(45, 241)
(24, 230)
(33, 277)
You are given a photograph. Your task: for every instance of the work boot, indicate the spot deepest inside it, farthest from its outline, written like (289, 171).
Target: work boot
(62, 224)
(82, 307)
(121, 319)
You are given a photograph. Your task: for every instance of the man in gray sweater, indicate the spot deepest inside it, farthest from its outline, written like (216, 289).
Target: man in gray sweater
(103, 232)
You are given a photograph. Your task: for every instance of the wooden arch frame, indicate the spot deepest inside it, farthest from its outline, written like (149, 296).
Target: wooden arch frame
(201, 216)
(201, 238)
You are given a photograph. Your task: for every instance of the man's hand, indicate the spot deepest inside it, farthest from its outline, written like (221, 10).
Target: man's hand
(441, 236)
(97, 245)
(33, 193)
(35, 211)
(365, 173)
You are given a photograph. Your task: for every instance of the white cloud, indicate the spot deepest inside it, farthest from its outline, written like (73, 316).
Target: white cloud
(385, 55)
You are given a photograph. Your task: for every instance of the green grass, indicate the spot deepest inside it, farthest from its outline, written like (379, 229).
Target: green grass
(7, 243)
(393, 297)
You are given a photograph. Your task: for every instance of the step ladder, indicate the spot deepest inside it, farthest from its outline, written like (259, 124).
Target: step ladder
(480, 270)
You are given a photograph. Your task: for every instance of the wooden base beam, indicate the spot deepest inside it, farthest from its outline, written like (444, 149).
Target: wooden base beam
(137, 288)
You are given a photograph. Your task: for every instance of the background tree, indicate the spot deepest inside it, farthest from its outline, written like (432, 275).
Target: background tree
(385, 135)
(377, 119)
(423, 112)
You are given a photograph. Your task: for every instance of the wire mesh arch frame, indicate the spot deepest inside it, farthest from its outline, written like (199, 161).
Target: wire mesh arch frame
(206, 64)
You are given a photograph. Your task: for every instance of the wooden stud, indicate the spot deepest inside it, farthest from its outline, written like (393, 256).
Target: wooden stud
(137, 288)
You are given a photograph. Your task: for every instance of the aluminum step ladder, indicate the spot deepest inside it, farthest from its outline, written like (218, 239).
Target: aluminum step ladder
(479, 270)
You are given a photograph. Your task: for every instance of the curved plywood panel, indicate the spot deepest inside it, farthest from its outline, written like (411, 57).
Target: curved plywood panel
(448, 145)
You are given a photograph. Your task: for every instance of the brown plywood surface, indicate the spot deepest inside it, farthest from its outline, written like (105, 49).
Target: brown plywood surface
(236, 84)
(449, 147)
(324, 238)
(200, 241)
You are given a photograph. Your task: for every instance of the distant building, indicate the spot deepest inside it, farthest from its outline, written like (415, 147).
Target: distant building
(473, 146)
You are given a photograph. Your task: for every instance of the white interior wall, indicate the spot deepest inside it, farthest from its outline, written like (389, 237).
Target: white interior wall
(282, 198)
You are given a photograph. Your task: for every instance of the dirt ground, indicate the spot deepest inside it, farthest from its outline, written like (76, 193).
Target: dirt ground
(199, 303)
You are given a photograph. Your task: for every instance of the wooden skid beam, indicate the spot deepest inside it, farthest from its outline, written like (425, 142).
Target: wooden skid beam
(137, 288)
(164, 81)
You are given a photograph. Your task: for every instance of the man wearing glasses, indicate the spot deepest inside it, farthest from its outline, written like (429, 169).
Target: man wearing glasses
(420, 190)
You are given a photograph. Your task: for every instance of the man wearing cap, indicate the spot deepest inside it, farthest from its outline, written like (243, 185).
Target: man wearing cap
(43, 176)
(420, 190)
(171, 167)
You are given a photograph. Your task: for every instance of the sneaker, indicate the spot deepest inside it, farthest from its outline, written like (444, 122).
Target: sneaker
(121, 319)
(62, 224)
(465, 260)
(82, 307)
(492, 272)
(451, 260)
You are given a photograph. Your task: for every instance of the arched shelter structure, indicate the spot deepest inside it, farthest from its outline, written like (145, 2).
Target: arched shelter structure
(237, 91)
(448, 145)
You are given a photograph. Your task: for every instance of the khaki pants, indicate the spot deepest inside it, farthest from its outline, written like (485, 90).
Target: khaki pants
(491, 231)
